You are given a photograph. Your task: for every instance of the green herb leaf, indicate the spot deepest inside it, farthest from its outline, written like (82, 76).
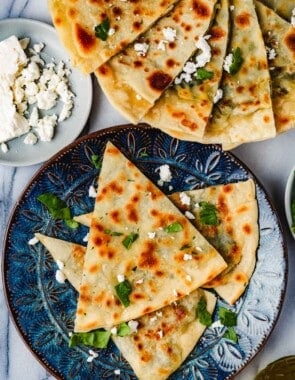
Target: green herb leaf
(237, 61)
(97, 338)
(130, 239)
(102, 30)
(208, 214)
(173, 227)
(96, 161)
(57, 208)
(227, 317)
(231, 334)
(143, 154)
(202, 313)
(123, 329)
(123, 290)
(203, 74)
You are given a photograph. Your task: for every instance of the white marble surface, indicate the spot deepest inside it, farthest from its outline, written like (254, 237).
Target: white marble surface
(271, 161)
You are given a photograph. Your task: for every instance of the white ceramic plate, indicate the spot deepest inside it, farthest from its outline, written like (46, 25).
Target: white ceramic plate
(20, 154)
(289, 195)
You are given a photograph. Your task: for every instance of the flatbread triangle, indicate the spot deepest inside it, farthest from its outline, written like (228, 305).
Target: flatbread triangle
(163, 338)
(128, 208)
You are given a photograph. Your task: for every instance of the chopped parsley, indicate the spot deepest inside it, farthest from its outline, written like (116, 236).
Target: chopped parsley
(202, 313)
(123, 290)
(237, 61)
(208, 214)
(173, 227)
(203, 74)
(97, 338)
(123, 329)
(229, 319)
(185, 246)
(130, 239)
(102, 30)
(57, 208)
(96, 161)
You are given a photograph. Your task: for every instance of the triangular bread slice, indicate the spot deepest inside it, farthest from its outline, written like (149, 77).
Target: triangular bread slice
(244, 113)
(136, 233)
(279, 36)
(163, 338)
(184, 109)
(283, 7)
(134, 79)
(122, 22)
(236, 236)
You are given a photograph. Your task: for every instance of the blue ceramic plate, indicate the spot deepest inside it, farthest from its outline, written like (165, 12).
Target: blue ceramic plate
(43, 310)
(20, 154)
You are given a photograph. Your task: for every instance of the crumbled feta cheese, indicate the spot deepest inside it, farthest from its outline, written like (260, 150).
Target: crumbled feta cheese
(169, 34)
(218, 96)
(114, 330)
(231, 7)
(216, 324)
(205, 48)
(4, 147)
(59, 276)
(293, 18)
(24, 81)
(228, 60)
(92, 356)
(86, 238)
(111, 31)
(162, 45)
(159, 314)
(189, 215)
(141, 48)
(92, 193)
(151, 235)
(133, 326)
(187, 257)
(33, 241)
(60, 264)
(140, 281)
(271, 53)
(184, 199)
(121, 277)
(175, 293)
(118, 371)
(165, 174)
(199, 249)
(30, 139)
(153, 319)
(160, 333)
(188, 278)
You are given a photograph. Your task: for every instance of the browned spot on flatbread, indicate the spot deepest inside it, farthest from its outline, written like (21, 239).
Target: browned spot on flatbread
(72, 13)
(95, 268)
(78, 254)
(243, 20)
(85, 39)
(201, 9)
(228, 188)
(290, 41)
(148, 258)
(247, 228)
(241, 278)
(115, 216)
(132, 214)
(242, 209)
(217, 33)
(159, 80)
(222, 205)
(104, 70)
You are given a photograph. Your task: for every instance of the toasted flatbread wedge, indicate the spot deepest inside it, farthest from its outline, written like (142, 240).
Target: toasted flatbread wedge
(233, 231)
(163, 339)
(279, 36)
(184, 109)
(244, 113)
(134, 79)
(121, 251)
(235, 235)
(121, 22)
(283, 7)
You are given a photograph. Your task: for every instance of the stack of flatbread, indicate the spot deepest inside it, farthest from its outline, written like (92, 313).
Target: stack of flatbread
(150, 257)
(211, 71)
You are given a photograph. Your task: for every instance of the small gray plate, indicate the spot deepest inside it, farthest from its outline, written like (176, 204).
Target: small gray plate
(20, 154)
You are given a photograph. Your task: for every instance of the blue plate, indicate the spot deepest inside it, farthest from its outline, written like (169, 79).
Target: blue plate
(43, 310)
(20, 154)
